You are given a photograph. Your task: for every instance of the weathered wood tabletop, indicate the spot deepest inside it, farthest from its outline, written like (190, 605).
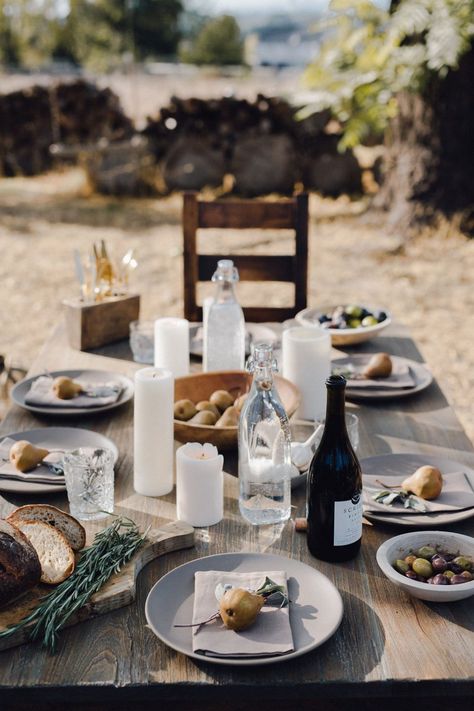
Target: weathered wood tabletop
(389, 645)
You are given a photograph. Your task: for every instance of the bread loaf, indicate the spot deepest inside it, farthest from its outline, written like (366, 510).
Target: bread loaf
(54, 552)
(69, 526)
(20, 568)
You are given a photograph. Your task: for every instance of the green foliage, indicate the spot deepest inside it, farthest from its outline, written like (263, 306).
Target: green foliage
(218, 42)
(369, 55)
(95, 33)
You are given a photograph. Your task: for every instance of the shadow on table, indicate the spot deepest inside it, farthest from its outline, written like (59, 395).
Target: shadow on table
(350, 646)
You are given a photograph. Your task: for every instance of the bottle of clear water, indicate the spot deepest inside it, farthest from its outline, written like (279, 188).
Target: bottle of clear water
(224, 324)
(264, 446)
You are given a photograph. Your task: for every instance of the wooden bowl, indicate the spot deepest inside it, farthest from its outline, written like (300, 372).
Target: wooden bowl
(200, 386)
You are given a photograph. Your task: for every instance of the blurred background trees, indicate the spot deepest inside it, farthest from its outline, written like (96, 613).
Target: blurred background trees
(218, 42)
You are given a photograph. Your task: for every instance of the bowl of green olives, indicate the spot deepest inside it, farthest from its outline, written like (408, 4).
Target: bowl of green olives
(346, 324)
(431, 565)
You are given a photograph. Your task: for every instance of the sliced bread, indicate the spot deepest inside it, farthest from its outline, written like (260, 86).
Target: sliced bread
(54, 552)
(20, 567)
(68, 525)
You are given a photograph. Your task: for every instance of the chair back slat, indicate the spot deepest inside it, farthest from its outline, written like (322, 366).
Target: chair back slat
(247, 214)
(251, 267)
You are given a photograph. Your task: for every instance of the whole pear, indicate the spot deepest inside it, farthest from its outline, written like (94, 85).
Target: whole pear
(206, 405)
(184, 410)
(65, 388)
(426, 483)
(204, 417)
(239, 608)
(222, 399)
(379, 366)
(240, 402)
(25, 456)
(229, 418)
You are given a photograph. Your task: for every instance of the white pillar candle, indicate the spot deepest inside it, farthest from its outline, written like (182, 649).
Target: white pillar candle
(306, 356)
(199, 484)
(153, 435)
(172, 345)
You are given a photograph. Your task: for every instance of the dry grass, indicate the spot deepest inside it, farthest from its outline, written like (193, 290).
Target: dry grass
(427, 284)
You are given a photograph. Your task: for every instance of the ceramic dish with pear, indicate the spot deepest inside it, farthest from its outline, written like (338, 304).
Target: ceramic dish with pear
(208, 405)
(346, 323)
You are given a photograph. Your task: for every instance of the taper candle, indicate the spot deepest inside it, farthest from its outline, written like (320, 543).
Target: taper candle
(153, 434)
(199, 484)
(172, 345)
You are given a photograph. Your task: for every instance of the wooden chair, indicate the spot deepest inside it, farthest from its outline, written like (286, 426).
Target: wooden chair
(287, 213)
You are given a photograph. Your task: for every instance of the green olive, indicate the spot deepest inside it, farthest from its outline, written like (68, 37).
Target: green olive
(401, 566)
(466, 574)
(369, 321)
(423, 567)
(448, 573)
(426, 552)
(463, 561)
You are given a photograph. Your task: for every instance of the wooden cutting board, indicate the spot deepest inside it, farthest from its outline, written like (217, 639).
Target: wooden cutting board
(117, 592)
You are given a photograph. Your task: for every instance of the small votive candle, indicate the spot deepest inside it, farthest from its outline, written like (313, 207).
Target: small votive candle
(153, 432)
(172, 345)
(199, 484)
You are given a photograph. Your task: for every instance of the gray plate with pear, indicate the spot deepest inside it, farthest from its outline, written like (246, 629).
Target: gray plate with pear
(421, 375)
(55, 438)
(400, 466)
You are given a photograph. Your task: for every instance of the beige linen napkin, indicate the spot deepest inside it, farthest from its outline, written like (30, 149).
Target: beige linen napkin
(401, 378)
(40, 475)
(457, 494)
(269, 635)
(41, 393)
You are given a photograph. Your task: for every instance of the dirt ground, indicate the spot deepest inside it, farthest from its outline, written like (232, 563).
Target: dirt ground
(427, 284)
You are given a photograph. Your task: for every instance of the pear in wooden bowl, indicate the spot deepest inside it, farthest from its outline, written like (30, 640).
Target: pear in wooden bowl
(200, 386)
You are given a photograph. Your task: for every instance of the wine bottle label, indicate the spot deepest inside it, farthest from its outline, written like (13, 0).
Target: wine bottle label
(348, 521)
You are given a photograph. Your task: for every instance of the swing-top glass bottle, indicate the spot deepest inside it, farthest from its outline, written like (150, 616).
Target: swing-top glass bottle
(264, 446)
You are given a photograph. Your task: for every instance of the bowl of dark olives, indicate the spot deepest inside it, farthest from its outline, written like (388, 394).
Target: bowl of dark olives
(432, 565)
(348, 323)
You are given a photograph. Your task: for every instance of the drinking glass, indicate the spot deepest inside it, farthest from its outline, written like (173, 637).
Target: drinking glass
(142, 337)
(352, 426)
(89, 475)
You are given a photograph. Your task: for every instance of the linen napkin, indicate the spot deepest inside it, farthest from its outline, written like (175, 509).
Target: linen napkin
(457, 494)
(41, 393)
(269, 635)
(400, 378)
(40, 475)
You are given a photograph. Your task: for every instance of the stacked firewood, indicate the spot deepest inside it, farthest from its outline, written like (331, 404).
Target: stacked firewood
(71, 114)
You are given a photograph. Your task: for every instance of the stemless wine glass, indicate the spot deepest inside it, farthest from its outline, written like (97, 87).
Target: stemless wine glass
(89, 475)
(352, 426)
(142, 341)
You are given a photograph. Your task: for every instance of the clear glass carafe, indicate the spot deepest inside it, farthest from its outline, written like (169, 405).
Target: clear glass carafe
(224, 324)
(264, 446)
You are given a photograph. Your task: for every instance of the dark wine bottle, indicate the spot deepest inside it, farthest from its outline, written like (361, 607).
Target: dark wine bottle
(334, 486)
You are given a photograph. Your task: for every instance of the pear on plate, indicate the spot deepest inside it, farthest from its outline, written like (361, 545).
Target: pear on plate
(25, 456)
(426, 482)
(65, 388)
(229, 418)
(379, 366)
(239, 608)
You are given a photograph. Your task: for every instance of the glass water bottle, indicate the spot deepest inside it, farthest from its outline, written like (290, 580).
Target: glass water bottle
(224, 324)
(264, 446)
(334, 485)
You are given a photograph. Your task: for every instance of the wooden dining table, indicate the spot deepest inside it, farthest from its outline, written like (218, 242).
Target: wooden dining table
(390, 651)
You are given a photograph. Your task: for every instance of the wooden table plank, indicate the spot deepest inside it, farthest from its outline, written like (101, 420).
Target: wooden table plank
(389, 645)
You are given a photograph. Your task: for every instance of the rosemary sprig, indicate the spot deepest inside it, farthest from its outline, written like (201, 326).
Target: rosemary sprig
(111, 549)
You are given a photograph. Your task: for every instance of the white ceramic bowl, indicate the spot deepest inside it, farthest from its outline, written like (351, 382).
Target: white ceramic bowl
(343, 336)
(403, 545)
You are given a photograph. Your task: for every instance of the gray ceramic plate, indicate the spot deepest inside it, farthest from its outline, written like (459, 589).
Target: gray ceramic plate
(315, 610)
(255, 333)
(402, 465)
(54, 438)
(20, 390)
(421, 374)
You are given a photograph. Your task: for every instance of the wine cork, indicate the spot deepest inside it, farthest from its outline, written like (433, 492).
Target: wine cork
(301, 525)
